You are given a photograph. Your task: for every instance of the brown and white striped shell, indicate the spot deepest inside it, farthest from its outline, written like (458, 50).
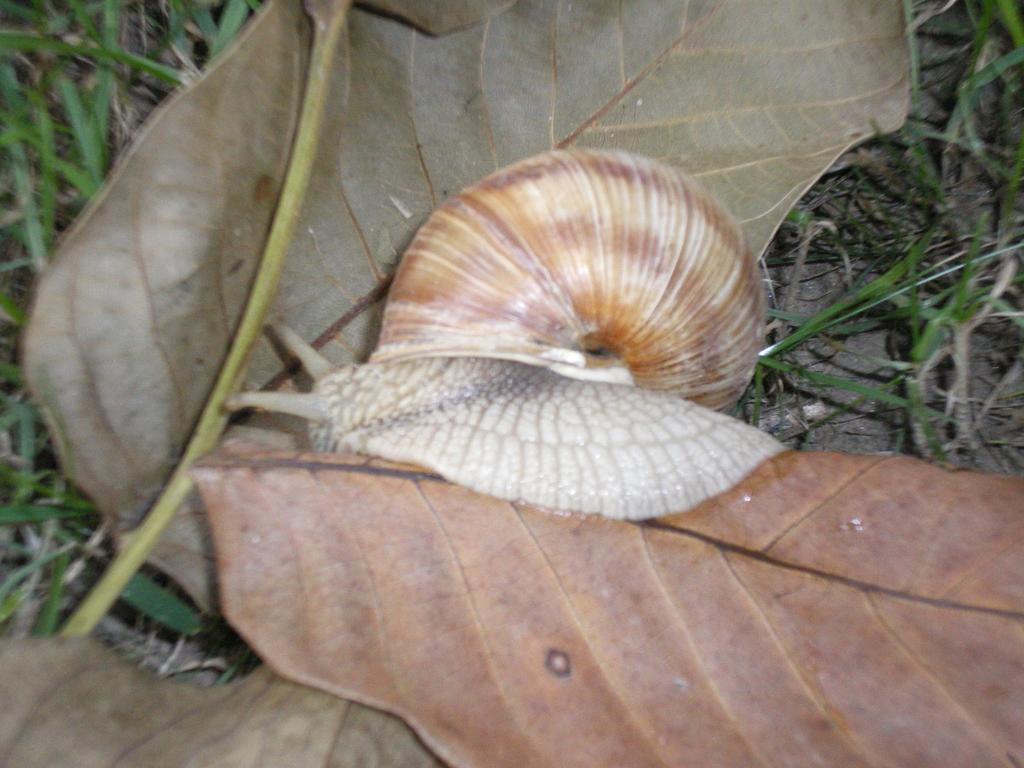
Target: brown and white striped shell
(599, 265)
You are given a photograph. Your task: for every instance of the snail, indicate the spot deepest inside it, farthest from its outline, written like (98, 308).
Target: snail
(561, 333)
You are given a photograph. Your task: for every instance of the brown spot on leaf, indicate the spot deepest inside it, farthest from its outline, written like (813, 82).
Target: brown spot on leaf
(263, 189)
(557, 663)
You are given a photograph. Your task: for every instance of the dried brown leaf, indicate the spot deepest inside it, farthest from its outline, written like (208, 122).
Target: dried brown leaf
(72, 703)
(830, 610)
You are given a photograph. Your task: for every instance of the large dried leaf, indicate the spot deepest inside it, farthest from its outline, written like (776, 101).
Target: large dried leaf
(73, 704)
(755, 98)
(133, 318)
(830, 610)
(437, 17)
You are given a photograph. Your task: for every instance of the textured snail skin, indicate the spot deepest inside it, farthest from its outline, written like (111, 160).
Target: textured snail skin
(525, 433)
(571, 251)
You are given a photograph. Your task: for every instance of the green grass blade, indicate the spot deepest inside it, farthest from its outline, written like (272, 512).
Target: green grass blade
(914, 56)
(102, 102)
(49, 615)
(970, 89)
(919, 413)
(83, 17)
(207, 26)
(12, 310)
(15, 577)
(26, 41)
(231, 19)
(83, 129)
(839, 311)
(111, 22)
(31, 226)
(11, 374)
(19, 514)
(1012, 20)
(18, 10)
(78, 178)
(824, 379)
(15, 133)
(883, 289)
(47, 154)
(1012, 185)
(15, 264)
(161, 605)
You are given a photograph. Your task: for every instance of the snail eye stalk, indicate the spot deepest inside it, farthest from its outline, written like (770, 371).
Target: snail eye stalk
(305, 405)
(315, 364)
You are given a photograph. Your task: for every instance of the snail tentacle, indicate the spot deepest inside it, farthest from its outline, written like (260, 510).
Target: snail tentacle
(315, 364)
(305, 405)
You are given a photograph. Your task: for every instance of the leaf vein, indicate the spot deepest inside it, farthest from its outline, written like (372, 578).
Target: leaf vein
(655, 62)
(875, 610)
(415, 127)
(680, 618)
(147, 292)
(813, 692)
(865, 586)
(483, 95)
(637, 724)
(817, 507)
(478, 623)
(728, 112)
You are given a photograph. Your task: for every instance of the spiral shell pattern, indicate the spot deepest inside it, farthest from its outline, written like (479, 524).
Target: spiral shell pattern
(590, 263)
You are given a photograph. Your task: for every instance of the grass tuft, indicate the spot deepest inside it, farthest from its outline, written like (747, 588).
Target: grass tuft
(900, 328)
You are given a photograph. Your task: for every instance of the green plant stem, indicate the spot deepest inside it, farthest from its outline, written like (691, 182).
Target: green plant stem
(327, 29)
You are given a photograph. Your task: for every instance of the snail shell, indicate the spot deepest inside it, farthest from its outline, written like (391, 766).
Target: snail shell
(522, 311)
(601, 265)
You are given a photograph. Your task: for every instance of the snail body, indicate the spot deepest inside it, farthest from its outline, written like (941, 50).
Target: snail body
(526, 433)
(560, 334)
